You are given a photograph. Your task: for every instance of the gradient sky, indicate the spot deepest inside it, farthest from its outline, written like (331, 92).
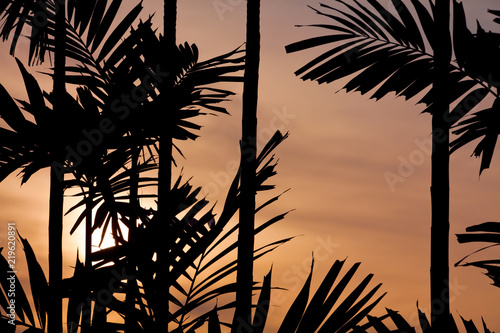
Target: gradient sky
(340, 148)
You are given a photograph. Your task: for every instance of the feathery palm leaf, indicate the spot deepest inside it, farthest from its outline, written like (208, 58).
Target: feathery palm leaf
(380, 52)
(386, 53)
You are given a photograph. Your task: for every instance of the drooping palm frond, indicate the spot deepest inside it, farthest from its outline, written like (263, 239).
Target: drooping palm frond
(388, 52)
(489, 233)
(479, 54)
(483, 125)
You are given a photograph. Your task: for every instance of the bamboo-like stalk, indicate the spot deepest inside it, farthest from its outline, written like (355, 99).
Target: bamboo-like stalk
(55, 322)
(165, 169)
(440, 180)
(86, 310)
(244, 278)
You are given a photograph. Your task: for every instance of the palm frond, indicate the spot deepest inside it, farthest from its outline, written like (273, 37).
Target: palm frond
(377, 52)
(90, 28)
(489, 233)
(320, 314)
(483, 125)
(190, 84)
(25, 310)
(372, 43)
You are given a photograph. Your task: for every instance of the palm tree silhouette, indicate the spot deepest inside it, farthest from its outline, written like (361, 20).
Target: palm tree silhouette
(387, 54)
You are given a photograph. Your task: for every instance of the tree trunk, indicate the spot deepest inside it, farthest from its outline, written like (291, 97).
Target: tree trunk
(165, 168)
(55, 252)
(56, 183)
(86, 310)
(244, 279)
(440, 187)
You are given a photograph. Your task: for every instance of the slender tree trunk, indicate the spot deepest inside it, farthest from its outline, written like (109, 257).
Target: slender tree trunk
(440, 187)
(55, 253)
(165, 167)
(56, 183)
(244, 279)
(86, 318)
(88, 227)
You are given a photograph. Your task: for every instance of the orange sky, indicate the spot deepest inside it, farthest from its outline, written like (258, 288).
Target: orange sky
(340, 148)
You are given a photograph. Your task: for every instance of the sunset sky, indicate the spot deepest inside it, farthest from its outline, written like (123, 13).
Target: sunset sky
(335, 162)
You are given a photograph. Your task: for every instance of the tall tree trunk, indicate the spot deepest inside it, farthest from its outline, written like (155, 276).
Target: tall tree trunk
(440, 187)
(165, 167)
(86, 310)
(244, 279)
(55, 252)
(56, 183)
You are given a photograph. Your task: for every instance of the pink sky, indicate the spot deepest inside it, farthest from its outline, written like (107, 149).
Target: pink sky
(340, 148)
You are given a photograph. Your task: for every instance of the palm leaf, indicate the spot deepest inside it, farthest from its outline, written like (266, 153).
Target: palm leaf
(386, 53)
(38, 283)
(294, 315)
(77, 298)
(488, 232)
(213, 323)
(380, 53)
(319, 314)
(23, 307)
(262, 308)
